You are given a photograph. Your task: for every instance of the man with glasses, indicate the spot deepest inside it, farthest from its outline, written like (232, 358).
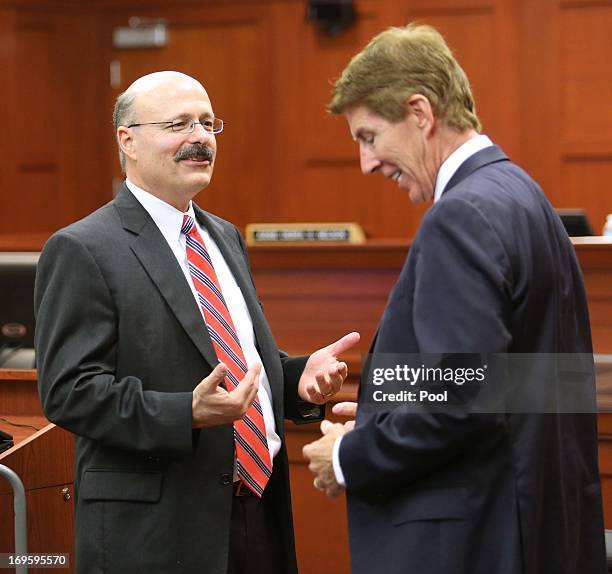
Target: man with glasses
(153, 349)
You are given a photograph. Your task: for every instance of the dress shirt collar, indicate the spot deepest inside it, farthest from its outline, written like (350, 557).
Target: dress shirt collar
(454, 160)
(166, 217)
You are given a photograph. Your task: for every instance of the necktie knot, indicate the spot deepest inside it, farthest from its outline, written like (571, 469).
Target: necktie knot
(188, 224)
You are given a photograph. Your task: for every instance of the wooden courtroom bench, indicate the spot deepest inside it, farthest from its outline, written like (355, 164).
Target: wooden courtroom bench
(312, 294)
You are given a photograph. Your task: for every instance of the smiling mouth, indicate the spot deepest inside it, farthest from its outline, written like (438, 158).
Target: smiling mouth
(395, 176)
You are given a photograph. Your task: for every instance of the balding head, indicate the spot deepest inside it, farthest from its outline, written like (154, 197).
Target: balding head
(173, 163)
(145, 89)
(156, 79)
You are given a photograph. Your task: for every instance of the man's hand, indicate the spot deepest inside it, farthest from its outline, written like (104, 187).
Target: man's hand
(324, 374)
(319, 457)
(347, 409)
(213, 405)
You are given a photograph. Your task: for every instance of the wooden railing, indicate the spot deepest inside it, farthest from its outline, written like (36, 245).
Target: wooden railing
(311, 295)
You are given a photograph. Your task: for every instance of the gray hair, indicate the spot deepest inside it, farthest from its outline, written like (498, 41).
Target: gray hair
(122, 116)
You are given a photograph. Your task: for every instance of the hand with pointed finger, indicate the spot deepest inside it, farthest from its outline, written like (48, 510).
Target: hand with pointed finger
(324, 374)
(212, 405)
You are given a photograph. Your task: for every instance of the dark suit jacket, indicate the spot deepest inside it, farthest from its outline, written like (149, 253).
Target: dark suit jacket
(120, 346)
(491, 269)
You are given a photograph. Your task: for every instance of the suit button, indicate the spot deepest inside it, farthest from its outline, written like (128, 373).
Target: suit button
(225, 479)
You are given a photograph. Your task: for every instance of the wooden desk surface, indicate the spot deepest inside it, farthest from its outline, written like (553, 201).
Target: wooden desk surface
(20, 411)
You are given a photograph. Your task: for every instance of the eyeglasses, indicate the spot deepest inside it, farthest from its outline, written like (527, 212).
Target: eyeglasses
(212, 125)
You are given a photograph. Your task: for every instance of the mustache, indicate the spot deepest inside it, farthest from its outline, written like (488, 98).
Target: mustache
(197, 151)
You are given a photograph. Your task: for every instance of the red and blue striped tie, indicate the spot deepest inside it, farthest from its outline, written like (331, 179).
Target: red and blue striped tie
(253, 463)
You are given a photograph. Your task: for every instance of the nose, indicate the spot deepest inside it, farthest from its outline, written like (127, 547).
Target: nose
(369, 162)
(200, 134)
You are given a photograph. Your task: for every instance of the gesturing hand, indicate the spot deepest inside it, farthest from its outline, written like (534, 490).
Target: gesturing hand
(324, 374)
(213, 405)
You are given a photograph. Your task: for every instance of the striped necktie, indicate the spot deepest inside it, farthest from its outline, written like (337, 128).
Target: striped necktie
(253, 463)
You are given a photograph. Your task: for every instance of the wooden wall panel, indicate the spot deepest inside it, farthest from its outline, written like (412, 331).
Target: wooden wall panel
(8, 66)
(338, 185)
(31, 172)
(52, 156)
(586, 87)
(587, 182)
(80, 118)
(585, 92)
(537, 69)
(566, 116)
(321, 59)
(539, 107)
(35, 34)
(317, 173)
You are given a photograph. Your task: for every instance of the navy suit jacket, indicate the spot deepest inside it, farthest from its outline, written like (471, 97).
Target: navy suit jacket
(491, 269)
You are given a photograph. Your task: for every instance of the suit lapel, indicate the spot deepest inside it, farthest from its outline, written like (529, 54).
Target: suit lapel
(161, 265)
(231, 253)
(485, 156)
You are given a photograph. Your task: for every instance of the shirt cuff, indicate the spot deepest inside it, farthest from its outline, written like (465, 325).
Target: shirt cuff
(336, 462)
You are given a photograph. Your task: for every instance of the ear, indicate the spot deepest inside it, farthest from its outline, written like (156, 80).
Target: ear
(420, 107)
(125, 138)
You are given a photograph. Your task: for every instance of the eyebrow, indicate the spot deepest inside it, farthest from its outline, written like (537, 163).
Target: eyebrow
(186, 116)
(361, 133)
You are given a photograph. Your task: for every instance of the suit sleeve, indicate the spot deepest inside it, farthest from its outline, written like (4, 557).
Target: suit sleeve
(76, 347)
(296, 410)
(461, 304)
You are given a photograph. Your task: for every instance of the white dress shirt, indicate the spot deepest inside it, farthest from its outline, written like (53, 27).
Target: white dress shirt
(169, 220)
(454, 160)
(447, 170)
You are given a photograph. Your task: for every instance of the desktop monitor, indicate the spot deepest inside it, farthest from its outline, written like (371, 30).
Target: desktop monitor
(575, 222)
(17, 275)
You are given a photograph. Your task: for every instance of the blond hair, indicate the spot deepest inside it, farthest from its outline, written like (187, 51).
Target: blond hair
(400, 62)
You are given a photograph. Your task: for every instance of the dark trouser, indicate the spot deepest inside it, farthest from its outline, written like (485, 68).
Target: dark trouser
(254, 537)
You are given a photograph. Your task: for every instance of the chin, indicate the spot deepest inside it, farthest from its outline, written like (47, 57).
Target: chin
(200, 180)
(417, 195)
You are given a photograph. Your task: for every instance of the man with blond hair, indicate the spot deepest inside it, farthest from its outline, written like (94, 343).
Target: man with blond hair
(490, 270)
